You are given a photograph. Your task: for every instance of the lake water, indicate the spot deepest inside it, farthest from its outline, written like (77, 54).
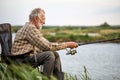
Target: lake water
(101, 60)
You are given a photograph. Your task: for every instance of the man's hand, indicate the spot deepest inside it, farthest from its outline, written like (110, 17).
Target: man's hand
(72, 44)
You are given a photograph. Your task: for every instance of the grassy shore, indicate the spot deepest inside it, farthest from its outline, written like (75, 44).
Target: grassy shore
(26, 72)
(78, 33)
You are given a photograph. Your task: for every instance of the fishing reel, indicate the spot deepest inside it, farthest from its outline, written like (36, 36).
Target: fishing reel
(71, 51)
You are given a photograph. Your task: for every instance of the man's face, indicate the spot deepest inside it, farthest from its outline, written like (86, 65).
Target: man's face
(42, 18)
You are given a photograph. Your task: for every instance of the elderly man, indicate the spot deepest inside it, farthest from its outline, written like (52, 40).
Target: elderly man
(34, 48)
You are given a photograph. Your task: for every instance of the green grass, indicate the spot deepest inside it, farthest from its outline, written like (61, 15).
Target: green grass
(26, 72)
(17, 72)
(81, 34)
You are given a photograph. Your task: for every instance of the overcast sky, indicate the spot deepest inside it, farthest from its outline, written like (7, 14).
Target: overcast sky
(62, 12)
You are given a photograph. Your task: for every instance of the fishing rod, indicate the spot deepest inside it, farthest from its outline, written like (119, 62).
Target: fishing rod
(73, 51)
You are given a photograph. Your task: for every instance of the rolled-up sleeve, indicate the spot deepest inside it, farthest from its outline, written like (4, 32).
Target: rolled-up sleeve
(35, 38)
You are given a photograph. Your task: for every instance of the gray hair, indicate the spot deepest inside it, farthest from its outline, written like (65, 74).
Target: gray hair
(35, 12)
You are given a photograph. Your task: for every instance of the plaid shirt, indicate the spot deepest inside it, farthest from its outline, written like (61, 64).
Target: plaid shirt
(29, 38)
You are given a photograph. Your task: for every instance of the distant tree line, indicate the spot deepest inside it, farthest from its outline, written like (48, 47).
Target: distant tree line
(105, 24)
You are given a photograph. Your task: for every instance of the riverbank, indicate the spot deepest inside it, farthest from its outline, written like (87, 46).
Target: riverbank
(78, 34)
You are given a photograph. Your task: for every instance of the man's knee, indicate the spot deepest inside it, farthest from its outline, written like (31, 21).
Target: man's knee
(51, 54)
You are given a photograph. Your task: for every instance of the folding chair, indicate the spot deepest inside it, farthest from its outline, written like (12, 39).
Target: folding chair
(5, 41)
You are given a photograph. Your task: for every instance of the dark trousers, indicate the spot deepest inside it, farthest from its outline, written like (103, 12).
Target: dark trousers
(50, 61)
